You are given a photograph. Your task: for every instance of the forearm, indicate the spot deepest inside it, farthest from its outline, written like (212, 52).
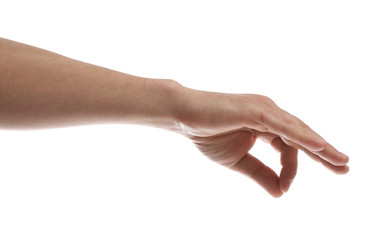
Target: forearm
(40, 89)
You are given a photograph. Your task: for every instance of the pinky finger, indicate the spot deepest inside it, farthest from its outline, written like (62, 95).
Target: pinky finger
(336, 169)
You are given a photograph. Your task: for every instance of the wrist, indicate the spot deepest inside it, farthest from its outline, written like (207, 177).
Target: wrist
(203, 113)
(158, 103)
(179, 103)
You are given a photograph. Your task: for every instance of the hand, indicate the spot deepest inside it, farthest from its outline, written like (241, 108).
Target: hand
(50, 90)
(225, 127)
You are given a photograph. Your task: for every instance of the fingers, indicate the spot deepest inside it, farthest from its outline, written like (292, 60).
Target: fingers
(338, 169)
(331, 155)
(284, 124)
(288, 158)
(294, 130)
(262, 174)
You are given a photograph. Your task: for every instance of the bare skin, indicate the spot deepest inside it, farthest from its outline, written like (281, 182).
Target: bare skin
(41, 89)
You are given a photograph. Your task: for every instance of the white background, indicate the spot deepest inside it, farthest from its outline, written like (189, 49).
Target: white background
(320, 60)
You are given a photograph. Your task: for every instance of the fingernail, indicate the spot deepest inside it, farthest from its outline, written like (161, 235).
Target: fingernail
(287, 185)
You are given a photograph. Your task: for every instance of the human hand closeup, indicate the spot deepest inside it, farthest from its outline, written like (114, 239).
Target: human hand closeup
(224, 127)
(50, 90)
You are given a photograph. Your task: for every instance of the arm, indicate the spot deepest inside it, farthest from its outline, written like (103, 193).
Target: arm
(41, 89)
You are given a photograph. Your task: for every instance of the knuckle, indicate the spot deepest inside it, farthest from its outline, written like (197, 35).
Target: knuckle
(257, 108)
(265, 106)
(266, 101)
